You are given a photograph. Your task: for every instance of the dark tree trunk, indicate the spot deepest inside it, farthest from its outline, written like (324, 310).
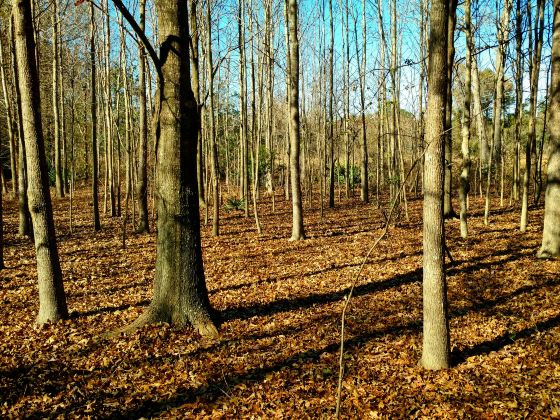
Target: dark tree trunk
(180, 294)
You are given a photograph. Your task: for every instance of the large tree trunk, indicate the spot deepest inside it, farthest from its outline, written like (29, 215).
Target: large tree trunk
(298, 232)
(93, 86)
(551, 231)
(142, 183)
(435, 347)
(180, 294)
(52, 301)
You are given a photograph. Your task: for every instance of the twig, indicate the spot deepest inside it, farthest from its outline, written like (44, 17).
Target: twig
(355, 280)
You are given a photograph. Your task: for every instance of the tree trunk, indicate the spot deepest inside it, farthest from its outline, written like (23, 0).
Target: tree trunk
(534, 67)
(52, 301)
(464, 185)
(364, 177)
(435, 347)
(448, 211)
(12, 135)
(180, 294)
(25, 228)
(298, 232)
(331, 113)
(55, 102)
(551, 231)
(142, 183)
(93, 87)
(212, 126)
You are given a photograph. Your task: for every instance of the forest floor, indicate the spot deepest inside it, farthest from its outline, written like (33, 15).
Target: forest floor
(281, 302)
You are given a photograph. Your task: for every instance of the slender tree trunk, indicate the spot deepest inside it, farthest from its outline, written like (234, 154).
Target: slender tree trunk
(55, 102)
(503, 32)
(52, 301)
(93, 87)
(464, 185)
(12, 135)
(518, 97)
(25, 228)
(212, 126)
(142, 184)
(448, 211)
(364, 176)
(534, 68)
(331, 112)
(435, 347)
(298, 232)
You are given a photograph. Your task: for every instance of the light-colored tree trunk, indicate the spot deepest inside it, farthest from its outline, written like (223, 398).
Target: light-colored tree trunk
(24, 228)
(518, 98)
(52, 301)
(55, 103)
(534, 69)
(364, 175)
(464, 185)
(503, 33)
(551, 232)
(435, 346)
(12, 134)
(212, 126)
(330, 104)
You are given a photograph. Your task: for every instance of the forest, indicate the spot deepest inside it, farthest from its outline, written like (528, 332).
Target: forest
(280, 209)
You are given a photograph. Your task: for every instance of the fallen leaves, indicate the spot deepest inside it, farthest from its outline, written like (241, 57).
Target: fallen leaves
(280, 303)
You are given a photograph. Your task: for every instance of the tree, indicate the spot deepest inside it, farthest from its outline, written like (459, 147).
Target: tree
(464, 185)
(93, 85)
(142, 183)
(52, 300)
(435, 347)
(297, 212)
(551, 231)
(180, 294)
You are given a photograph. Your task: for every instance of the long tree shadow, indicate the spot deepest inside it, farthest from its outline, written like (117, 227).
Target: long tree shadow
(289, 304)
(213, 389)
(272, 280)
(107, 309)
(498, 343)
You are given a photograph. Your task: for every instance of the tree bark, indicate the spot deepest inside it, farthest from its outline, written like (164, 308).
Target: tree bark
(551, 232)
(142, 183)
(93, 87)
(55, 103)
(448, 211)
(298, 232)
(435, 347)
(52, 301)
(180, 294)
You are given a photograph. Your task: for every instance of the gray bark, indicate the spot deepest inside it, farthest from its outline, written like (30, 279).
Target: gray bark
(52, 301)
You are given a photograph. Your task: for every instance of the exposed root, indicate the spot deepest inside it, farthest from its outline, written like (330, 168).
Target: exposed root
(545, 254)
(206, 329)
